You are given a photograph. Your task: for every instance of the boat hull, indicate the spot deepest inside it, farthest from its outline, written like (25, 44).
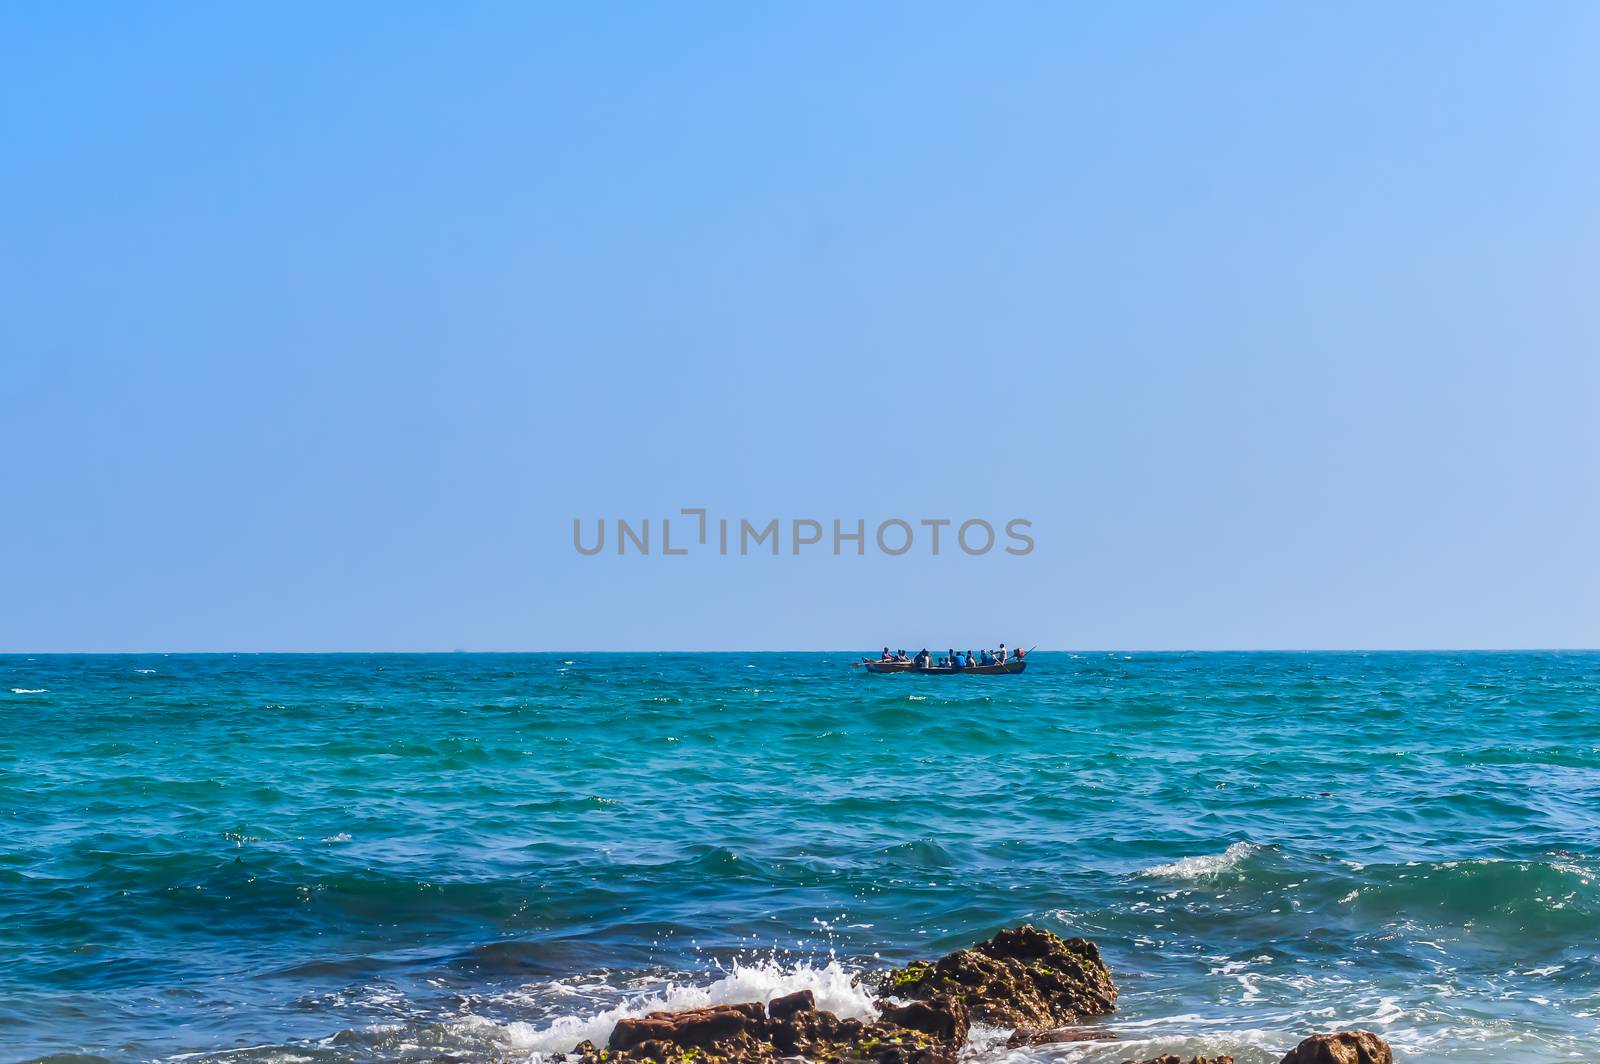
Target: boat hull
(1010, 668)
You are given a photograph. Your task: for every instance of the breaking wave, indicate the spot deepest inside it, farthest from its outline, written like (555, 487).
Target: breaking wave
(836, 990)
(1206, 865)
(575, 1010)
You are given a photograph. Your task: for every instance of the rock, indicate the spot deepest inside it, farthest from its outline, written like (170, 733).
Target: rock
(812, 1033)
(942, 1016)
(781, 1008)
(1022, 977)
(748, 1033)
(692, 1029)
(1346, 1047)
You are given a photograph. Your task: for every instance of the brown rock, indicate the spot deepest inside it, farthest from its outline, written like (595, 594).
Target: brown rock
(941, 1016)
(1022, 977)
(1346, 1047)
(781, 1008)
(692, 1029)
(810, 1033)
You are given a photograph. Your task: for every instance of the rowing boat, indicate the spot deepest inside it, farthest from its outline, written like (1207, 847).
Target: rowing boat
(1010, 667)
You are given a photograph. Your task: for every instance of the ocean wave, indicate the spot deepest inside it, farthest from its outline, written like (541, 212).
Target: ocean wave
(1520, 897)
(30, 690)
(835, 989)
(1205, 865)
(1520, 909)
(1244, 1045)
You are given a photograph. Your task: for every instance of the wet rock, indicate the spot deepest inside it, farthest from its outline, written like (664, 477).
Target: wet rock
(781, 1008)
(1022, 977)
(1346, 1047)
(942, 1017)
(794, 1028)
(692, 1029)
(898, 1046)
(815, 1034)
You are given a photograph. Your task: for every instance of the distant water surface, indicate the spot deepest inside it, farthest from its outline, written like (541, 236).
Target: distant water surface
(393, 857)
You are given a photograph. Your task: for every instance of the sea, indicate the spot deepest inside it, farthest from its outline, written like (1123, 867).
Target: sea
(327, 858)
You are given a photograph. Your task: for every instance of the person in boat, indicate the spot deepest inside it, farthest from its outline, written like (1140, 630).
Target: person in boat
(923, 658)
(886, 655)
(985, 658)
(972, 662)
(955, 659)
(901, 656)
(1000, 657)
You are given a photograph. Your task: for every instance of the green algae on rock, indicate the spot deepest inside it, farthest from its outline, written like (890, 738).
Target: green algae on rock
(1023, 977)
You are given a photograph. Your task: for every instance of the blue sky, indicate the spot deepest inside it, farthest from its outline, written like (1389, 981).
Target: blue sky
(321, 323)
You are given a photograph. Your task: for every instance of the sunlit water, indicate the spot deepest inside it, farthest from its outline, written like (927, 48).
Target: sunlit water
(394, 857)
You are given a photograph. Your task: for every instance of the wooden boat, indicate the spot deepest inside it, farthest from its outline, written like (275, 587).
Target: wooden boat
(1010, 667)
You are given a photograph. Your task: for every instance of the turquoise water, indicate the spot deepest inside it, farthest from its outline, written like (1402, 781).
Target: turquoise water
(394, 857)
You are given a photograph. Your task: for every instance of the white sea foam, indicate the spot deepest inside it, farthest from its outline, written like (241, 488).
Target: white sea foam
(30, 690)
(832, 985)
(1571, 869)
(1191, 1036)
(1205, 865)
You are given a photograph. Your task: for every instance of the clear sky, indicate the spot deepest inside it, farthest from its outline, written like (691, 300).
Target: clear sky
(320, 323)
